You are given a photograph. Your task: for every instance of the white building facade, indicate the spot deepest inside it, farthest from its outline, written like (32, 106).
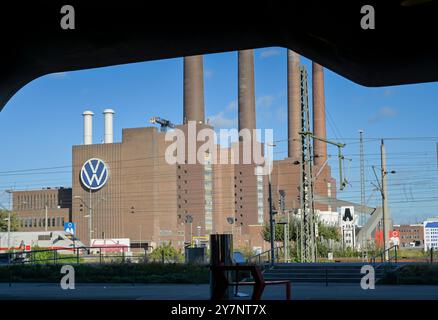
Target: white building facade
(430, 234)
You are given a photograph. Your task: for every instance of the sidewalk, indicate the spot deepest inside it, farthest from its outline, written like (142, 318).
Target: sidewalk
(300, 291)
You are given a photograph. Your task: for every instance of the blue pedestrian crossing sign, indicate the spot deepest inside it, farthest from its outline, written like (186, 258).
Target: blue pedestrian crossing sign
(70, 227)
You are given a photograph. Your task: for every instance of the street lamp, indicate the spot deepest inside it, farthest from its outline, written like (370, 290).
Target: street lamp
(286, 225)
(189, 219)
(271, 213)
(230, 220)
(46, 218)
(89, 215)
(9, 218)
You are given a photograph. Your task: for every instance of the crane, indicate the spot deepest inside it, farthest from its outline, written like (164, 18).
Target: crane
(164, 124)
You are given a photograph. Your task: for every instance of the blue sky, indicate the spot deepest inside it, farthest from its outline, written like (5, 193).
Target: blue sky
(43, 120)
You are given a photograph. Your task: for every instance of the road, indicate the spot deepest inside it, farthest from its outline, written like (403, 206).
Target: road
(300, 291)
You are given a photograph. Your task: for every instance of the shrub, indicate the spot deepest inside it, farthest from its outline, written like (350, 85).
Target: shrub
(111, 273)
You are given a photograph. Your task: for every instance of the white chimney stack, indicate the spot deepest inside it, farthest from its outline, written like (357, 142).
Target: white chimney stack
(88, 127)
(108, 114)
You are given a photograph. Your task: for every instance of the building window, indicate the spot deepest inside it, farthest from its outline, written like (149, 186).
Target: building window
(208, 192)
(260, 207)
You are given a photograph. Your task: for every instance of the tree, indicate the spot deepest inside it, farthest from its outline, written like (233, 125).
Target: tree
(167, 253)
(325, 233)
(294, 226)
(328, 232)
(4, 213)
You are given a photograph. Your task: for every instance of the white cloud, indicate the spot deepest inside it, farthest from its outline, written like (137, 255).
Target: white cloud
(269, 53)
(383, 113)
(219, 120)
(265, 101)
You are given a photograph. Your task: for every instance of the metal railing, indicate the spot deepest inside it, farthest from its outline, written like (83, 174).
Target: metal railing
(104, 254)
(382, 255)
(264, 258)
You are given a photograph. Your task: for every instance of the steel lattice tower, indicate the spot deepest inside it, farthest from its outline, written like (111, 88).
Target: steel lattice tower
(307, 238)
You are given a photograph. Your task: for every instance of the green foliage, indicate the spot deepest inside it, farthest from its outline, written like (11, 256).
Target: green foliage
(325, 232)
(41, 256)
(246, 251)
(413, 253)
(109, 273)
(328, 232)
(168, 253)
(322, 250)
(412, 274)
(294, 227)
(4, 223)
(346, 253)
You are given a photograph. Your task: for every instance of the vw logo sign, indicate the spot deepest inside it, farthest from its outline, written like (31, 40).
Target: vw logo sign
(94, 174)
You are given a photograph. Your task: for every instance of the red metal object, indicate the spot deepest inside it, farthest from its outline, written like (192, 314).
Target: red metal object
(259, 284)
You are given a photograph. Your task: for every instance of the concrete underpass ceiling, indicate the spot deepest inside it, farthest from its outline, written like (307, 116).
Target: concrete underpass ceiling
(400, 50)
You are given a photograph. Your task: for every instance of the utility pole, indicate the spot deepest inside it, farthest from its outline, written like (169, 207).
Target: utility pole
(271, 216)
(90, 221)
(10, 191)
(362, 181)
(386, 226)
(286, 225)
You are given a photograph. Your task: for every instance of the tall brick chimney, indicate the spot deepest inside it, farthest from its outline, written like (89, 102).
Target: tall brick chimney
(194, 89)
(247, 116)
(293, 105)
(319, 128)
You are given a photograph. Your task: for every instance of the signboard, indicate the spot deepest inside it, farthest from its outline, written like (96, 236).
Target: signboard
(94, 174)
(348, 227)
(70, 228)
(347, 215)
(394, 238)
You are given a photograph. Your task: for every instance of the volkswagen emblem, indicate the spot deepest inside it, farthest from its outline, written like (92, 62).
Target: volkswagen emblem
(94, 174)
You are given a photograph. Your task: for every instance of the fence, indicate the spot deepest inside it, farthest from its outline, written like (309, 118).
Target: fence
(105, 254)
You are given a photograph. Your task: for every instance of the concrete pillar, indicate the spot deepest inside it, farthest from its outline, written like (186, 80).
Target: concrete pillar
(194, 89)
(293, 105)
(247, 116)
(108, 115)
(319, 126)
(88, 127)
(221, 253)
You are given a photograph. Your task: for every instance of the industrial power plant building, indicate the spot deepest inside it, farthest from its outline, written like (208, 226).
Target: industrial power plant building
(44, 209)
(129, 189)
